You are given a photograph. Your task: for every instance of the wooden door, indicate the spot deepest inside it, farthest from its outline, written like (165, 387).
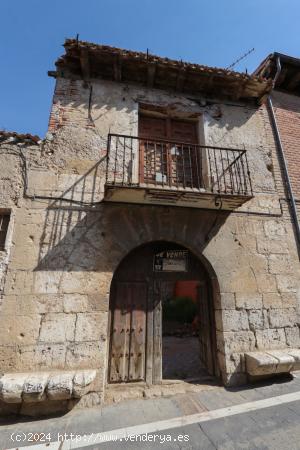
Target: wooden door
(153, 153)
(205, 328)
(185, 159)
(127, 358)
(169, 163)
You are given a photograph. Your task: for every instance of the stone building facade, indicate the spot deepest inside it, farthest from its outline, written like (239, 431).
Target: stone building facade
(86, 222)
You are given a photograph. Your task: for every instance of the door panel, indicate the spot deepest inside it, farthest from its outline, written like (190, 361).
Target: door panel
(153, 155)
(128, 332)
(186, 168)
(137, 347)
(206, 354)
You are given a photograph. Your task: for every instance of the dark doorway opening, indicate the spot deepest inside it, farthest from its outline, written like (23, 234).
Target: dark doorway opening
(161, 317)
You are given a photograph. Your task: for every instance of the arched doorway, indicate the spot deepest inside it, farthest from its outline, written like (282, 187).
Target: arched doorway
(161, 316)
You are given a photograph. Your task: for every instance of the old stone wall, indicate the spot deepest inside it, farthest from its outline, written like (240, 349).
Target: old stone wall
(67, 243)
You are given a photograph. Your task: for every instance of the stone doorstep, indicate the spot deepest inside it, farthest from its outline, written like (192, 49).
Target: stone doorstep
(40, 386)
(118, 392)
(272, 362)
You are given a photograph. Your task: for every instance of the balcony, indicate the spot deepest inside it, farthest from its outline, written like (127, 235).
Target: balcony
(150, 171)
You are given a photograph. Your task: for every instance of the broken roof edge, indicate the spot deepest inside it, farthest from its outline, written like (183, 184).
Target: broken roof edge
(13, 137)
(87, 61)
(149, 57)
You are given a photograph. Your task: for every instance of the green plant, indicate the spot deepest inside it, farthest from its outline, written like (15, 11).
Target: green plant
(179, 309)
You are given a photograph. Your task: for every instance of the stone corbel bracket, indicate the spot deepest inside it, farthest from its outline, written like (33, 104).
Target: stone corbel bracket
(272, 362)
(41, 386)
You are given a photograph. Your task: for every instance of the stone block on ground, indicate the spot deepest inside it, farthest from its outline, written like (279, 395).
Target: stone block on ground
(11, 387)
(82, 382)
(60, 386)
(259, 363)
(34, 387)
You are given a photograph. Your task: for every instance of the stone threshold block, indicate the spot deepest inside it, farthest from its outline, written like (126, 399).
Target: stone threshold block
(272, 362)
(41, 386)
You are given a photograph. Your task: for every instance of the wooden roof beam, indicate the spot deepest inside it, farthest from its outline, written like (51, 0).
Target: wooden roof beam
(151, 71)
(117, 68)
(181, 77)
(85, 64)
(294, 82)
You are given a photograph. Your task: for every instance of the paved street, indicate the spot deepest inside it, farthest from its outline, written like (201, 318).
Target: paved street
(264, 416)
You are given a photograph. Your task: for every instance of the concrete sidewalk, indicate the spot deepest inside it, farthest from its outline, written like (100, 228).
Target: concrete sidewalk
(135, 412)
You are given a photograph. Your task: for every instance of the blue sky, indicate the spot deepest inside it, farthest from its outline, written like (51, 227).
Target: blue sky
(214, 32)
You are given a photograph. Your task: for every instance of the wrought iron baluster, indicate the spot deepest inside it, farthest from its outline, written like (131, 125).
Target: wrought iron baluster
(124, 160)
(183, 166)
(196, 150)
(176, 165)
(108, 149)
(243, 172)
(248, 173)
(131, 159)
(210, 170)
(235, 172)
(217, 172)
(223, 171)
(191, 167)
(239, 173)
(230, 173)
(116, 159)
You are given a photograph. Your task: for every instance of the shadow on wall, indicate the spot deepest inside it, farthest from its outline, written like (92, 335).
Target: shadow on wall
(96, 235)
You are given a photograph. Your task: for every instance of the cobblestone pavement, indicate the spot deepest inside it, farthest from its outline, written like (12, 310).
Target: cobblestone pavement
(274, 426)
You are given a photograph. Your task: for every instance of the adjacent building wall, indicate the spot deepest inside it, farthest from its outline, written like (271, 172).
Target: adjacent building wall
(64, 253)
(287, 110)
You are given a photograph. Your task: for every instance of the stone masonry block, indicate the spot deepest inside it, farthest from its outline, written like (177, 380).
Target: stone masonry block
(272, 300)
(225, 301)
(271, 246)
(286, 283)
(292, 336)
(235, 342)
(280, 318)
(270, 339)
(86, 355)
(256, 320)
(232, 320)
(280, 264)
(248, 301)
(91, 326)
(47, 282)
(74, 303)
(23, 330)
(57, 328)
(41, 356)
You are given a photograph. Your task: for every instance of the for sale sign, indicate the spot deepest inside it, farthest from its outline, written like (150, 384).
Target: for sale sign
(170, 261)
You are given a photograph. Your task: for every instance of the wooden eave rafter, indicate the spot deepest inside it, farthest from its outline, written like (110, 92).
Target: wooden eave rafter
(153, 71)
(85, 64)
(117, 68)
(294, 82)
(181, 77)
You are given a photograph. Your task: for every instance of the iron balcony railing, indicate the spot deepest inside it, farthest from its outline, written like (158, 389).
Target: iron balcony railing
(142, 162)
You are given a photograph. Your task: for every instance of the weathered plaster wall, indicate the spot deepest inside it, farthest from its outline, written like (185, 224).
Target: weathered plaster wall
(56, 295)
